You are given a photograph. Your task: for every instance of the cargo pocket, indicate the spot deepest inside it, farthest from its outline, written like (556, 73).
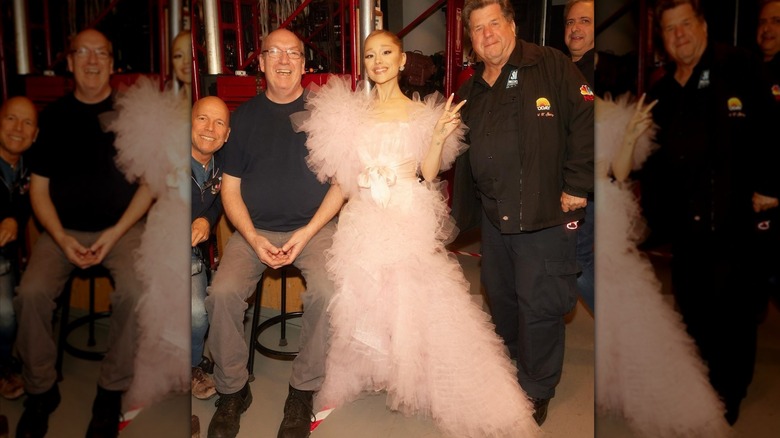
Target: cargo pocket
(560, 291)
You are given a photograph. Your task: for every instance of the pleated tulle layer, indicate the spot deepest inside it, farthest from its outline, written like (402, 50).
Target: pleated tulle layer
(647, 367)
(403, 320)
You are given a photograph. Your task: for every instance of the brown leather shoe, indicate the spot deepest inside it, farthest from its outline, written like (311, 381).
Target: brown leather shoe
(195, 426)
(226, 421)
(203, 387)
(298, 414)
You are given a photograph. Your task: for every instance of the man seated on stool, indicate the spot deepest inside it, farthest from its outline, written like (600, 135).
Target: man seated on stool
(18, 130)
(91, 215)
(210, 130)
(283, 216)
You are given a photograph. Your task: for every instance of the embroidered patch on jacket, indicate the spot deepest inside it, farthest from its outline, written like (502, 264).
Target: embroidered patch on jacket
(704, 79)
(776, 91)
(543, 108)
(586, 92)
(512, 81)
(735, 107)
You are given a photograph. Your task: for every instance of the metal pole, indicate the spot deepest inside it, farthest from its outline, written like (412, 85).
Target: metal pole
(543, 27)
(20, 34)
(645, 46)
(736, 21)
(366, 20)
(174, 24)
(211, 23)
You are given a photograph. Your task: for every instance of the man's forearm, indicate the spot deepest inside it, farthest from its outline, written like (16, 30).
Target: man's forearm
(43, 207)
(234, 206)
(329, 207)
(138, 207)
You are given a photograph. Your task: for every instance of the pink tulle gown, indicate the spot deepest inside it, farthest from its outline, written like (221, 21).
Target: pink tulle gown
(402, 320)
(152, 129)
(647, 367)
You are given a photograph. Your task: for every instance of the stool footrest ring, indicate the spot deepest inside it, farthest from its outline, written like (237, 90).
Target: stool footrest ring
(276, 354)
(78, 352)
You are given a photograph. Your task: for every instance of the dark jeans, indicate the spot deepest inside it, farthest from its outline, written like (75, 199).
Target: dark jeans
(7, 315)
(200, 320)
(585, 236)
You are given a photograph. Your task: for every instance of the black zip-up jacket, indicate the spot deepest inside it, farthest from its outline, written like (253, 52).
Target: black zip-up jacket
(715, 139)
(531, 138)
(15, 202)
(206, 201)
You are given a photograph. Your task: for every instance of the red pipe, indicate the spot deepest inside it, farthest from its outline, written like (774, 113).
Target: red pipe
(354, 45)
(294, 14)
(162, 52)
(47, 33)
(424, 16)
(343, 39)
(453, 62)
(239, 35)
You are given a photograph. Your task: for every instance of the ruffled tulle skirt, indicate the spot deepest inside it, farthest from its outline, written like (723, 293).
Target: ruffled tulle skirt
(647, 367)
(403, 321)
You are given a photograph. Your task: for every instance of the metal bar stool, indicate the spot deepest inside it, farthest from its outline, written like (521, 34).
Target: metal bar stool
(66, 326)
(258, 328)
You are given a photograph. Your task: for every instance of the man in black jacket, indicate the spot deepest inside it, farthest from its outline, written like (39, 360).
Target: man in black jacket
(579, 37)
(530, 114)
(700, 190)
(768, 223)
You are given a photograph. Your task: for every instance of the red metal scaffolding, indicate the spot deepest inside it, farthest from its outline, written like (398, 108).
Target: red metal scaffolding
(343, 16)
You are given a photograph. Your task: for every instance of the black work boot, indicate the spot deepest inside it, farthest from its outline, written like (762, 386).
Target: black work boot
(298, 414)
(540, 409)
(227, 419)
(106, 413)
(34, 422)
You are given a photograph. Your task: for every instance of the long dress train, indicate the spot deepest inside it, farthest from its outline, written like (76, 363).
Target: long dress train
(402, 320)
(647, 367)
(152, 128)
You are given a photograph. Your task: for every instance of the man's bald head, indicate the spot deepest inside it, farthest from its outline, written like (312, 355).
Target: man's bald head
(210, 127)
(18, 127)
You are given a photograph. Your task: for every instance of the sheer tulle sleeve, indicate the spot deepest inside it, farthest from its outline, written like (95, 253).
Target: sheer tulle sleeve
(431, 109)
(334, 114)
(151, 130)
(152, 142)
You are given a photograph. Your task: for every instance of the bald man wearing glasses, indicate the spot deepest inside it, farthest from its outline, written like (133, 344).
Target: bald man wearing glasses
(91, 216)
(282, 216)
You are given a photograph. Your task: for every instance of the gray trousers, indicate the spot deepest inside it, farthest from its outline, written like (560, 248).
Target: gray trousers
(236, 280)
(43, 281)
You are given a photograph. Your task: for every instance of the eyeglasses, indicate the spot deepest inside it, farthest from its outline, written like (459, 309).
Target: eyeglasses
(83, 52)
(276, 53)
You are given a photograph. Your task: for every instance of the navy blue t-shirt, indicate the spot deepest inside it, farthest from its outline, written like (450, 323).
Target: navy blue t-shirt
(279, 190)
(78, 156)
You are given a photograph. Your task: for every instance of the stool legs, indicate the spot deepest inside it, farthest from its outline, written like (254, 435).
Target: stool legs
(67, 326)
(253, 331)
(279, 319)
(91, 340)
(63, 333)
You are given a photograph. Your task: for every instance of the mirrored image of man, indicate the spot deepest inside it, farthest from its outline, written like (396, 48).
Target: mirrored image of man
(18, 130)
